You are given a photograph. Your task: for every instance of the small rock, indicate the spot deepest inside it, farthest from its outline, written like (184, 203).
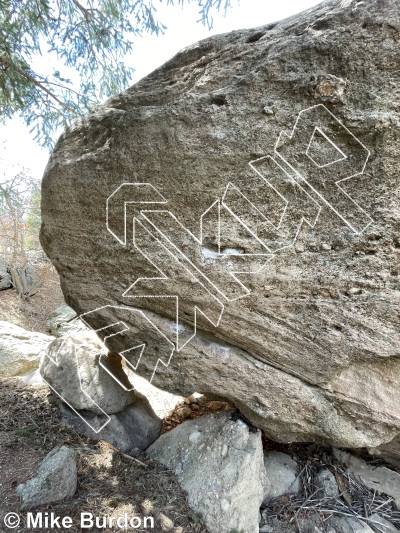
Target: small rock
(266, 529)
(56, 480)
(165, 522)
(310, 523)
(326, 484)
(64, 321)
(217, 406)
(267, 110)
(5, 279)
(381, 524)
(281, 475)
(191, 400)
(64, 313)
(325, 246)
(183, 412)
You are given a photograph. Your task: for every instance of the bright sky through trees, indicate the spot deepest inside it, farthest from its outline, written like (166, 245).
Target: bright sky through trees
(17, 146)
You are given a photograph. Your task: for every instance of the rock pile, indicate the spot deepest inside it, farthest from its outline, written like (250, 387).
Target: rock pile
(219, 461)
(95, 394)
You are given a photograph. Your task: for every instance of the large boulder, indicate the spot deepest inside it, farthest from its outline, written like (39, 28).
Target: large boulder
(95, 395)
(20, 350)
(219, 462)
(305, 339)
(132, 430)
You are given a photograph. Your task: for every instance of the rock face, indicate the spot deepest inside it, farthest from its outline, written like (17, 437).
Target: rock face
(219, 463)
(250, 274)
(56, 480)
(62, 321)
(20, 350)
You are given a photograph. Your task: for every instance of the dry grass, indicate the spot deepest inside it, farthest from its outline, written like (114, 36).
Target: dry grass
(355, 499)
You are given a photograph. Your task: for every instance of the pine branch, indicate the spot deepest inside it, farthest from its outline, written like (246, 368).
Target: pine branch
(43, 88)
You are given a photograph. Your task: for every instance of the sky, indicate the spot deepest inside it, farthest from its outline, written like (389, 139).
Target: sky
(18, 149)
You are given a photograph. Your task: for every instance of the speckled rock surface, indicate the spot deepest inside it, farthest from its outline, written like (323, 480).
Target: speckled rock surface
(56, 479)
(307, 347)
(219, 463)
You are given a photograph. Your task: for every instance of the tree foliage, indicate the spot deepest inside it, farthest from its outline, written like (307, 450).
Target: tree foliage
(87, 40)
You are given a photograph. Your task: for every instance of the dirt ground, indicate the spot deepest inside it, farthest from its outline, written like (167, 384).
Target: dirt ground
(32, 314)
(109, 483)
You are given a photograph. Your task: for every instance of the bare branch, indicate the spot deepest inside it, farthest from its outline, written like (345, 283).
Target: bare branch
(81, 9)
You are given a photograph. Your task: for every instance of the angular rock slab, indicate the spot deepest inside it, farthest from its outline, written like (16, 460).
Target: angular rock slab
(307, 347)
(56, 480)
(377, 478)
(20, 350)
(219, 463)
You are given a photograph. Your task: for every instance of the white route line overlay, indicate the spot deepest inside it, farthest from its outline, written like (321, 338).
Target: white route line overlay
(175, 296)
(337, 183)
(147, 189)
